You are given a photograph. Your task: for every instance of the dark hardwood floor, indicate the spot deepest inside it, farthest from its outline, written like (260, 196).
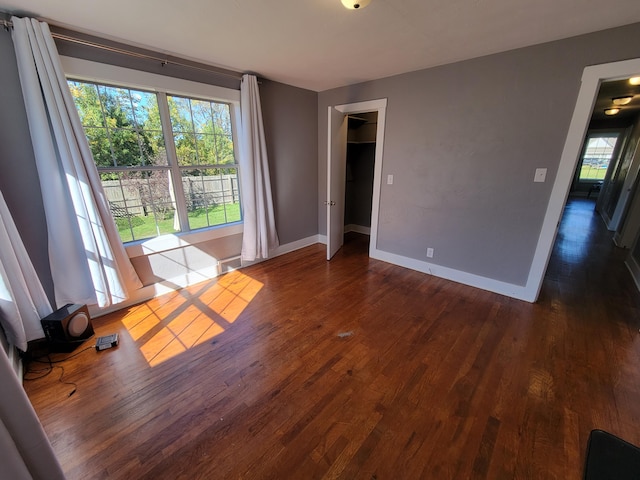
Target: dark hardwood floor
(299, 368)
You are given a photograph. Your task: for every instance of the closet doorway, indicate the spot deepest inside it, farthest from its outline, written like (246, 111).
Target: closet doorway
(359, 172)
(337, 128)
(354, 168)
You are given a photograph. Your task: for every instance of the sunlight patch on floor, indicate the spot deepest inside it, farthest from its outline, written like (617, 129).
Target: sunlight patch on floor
(190, 319)
(142, 322)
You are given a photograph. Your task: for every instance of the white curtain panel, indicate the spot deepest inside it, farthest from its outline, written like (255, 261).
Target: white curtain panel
(260, 235)
(23, 301)
(88, 262)
(25, 451)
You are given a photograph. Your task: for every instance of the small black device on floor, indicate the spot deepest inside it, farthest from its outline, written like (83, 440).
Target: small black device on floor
(108, 341)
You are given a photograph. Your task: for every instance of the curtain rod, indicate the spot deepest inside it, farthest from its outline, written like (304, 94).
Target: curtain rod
(163, 61)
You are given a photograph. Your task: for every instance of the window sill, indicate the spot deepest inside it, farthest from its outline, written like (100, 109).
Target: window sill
(165, 243)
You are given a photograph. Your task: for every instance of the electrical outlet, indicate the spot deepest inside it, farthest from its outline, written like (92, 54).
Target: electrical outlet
(429, 252)
(540, 176)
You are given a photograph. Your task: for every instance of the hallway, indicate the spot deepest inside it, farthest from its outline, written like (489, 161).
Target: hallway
(586, 268)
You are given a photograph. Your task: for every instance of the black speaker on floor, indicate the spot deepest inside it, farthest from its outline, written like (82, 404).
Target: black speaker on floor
(67, 327)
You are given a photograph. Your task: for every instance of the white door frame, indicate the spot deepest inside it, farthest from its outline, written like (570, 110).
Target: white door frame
(592, 77)
(379, 106)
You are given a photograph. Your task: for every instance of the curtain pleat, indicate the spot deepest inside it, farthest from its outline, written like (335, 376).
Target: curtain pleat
(88, 262)
(23, 301)
(260, 236)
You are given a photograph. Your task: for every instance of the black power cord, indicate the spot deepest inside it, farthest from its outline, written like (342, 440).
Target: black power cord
(43, 372)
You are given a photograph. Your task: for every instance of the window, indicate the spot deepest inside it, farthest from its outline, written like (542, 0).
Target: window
(166, 162)
(204, 147)
(597, 154)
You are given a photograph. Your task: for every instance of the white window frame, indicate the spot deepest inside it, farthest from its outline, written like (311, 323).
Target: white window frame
(85, 70)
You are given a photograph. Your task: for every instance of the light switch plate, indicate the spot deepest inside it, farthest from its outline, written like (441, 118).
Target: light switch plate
(541, 175)
(389, 179)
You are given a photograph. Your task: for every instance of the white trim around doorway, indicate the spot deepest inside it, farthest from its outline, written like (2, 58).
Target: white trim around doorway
(379, 106)
(592, 77)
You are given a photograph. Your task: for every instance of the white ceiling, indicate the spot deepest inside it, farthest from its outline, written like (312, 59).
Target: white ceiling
(318, 44)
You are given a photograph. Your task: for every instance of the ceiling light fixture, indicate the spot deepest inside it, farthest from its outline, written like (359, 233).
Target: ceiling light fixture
(355, 4)
(622, 100)
(634, 80)
(611, 111)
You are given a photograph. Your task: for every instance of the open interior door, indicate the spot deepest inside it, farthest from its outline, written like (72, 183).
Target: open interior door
(336, 174)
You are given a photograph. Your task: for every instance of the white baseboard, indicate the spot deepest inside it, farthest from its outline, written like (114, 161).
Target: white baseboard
(286, 248)
(297, 245)
(496, 286)
(352, 227)
(515, 291)
(510, 290)
(607, 221)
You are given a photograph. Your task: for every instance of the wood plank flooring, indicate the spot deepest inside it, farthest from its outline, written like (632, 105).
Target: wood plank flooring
(298, 368)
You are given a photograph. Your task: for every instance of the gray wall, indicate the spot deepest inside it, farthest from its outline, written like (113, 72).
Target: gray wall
(290, 125)
(463, 142)
(18, 176)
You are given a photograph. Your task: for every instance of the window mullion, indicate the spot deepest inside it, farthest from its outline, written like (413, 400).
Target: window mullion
(234, 114)
(172, 158)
